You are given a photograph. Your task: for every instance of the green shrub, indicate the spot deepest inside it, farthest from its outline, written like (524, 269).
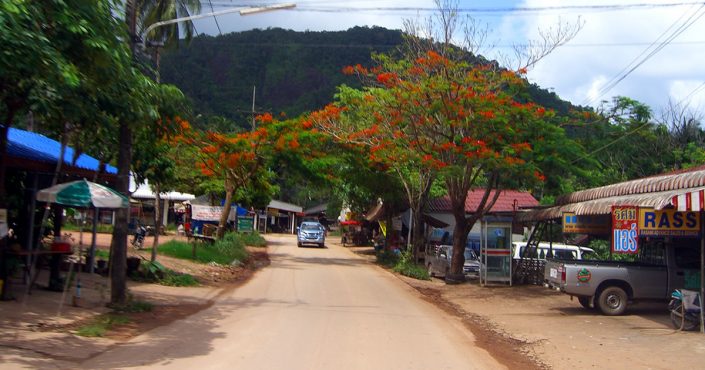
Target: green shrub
(102, 254)
(408, 267)
(412, 270)
(602, 252)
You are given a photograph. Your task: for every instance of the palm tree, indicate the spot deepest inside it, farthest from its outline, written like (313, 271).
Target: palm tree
(138, 15)
(153, 11)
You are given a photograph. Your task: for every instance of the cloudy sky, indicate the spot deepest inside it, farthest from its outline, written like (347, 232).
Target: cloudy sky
(648, 50)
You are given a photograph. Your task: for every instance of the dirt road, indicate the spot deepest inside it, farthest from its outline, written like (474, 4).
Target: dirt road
(311, 309)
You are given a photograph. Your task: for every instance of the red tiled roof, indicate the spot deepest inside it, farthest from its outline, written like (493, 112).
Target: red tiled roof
(505, 202)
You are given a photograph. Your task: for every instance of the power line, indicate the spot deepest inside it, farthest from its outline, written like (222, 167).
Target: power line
(306, 6)
(632, 66)
(696, 90)
(215, 18)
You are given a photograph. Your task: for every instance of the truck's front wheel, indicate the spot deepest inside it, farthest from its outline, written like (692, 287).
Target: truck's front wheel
(612, 301)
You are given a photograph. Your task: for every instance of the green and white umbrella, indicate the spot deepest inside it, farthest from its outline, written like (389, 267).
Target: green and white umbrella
(83, 193)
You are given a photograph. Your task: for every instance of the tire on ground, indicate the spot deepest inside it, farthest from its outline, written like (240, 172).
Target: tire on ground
(612, 301)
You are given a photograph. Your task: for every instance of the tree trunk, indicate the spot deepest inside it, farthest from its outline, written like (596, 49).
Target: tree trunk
(157, 221)
(118, 260)
(458, 192)
(229, 192)
(4, 129)
(460, 236)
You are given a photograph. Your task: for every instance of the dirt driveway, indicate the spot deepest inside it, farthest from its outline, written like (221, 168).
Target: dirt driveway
(559, 334)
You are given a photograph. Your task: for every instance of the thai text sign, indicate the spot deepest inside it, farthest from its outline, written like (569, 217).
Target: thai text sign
(245, 224)
(668, 223)
(585, 224)
(625, 230)
(208, 213)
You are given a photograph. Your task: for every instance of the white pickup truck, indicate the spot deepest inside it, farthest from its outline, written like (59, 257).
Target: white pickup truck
(612, 285)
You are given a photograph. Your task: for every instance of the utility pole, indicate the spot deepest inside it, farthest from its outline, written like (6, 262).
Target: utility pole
(253, 106)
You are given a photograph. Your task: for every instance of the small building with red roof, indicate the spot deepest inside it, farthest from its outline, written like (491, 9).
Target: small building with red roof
(504, 209)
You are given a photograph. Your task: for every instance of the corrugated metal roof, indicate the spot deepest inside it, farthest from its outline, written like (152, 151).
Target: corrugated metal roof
(508, 201)
(666, 182)
(656, 200)
(36, 147)
(278, 204)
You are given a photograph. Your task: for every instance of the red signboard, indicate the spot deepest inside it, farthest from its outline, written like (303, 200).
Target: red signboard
(625, 229)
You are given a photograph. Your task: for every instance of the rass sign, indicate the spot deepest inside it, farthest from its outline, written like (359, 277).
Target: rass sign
(625, 232)
(668, 222)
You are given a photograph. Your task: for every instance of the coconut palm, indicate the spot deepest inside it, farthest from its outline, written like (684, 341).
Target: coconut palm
(152, 11)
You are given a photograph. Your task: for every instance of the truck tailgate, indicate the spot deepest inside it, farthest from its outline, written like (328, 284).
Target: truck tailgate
(552, 273)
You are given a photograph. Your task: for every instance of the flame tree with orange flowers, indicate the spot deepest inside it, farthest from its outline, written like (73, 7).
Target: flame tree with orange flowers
(439, 115)
(236, 159)
(241, 160)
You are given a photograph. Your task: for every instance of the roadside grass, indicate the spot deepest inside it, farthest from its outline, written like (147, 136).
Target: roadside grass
(155, 272)
(101, 228)
(253, 239)
(411, 270)
(224, 251)
(173, 278)
(101, 324)
(402, 263)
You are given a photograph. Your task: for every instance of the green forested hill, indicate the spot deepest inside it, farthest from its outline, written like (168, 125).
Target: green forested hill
(293, 72)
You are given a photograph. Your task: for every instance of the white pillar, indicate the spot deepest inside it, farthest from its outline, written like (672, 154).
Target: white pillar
(165, 213)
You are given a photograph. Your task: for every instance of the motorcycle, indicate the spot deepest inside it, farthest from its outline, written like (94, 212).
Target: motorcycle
(138, 238)
(685, 309)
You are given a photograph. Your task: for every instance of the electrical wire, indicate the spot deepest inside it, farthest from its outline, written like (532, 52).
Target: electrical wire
(215, 18)
(310, 6)
(694, 17)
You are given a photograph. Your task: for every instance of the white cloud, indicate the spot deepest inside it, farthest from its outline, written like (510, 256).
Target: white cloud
(571, 69)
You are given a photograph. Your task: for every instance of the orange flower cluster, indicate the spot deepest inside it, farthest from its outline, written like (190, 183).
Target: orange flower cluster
(387, 78)
(358, 68)
(264, 118)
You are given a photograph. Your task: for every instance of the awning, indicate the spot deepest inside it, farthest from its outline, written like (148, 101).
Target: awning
(433, 221)
(683, 199)
(690, 201)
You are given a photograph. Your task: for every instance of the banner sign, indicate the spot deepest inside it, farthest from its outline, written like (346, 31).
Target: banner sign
(585, 224)
(668, 222)
(625, 230)
(205, 213)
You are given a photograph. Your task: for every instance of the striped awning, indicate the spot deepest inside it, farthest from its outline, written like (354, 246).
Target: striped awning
(690, 201)
(683, 200)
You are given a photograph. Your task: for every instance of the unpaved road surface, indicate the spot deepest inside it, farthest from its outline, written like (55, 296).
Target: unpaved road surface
(312, 308)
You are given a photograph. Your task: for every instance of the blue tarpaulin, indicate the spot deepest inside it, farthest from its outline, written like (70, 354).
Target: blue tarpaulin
(33, 146)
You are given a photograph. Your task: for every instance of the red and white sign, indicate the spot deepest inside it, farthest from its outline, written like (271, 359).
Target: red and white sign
(625, 229)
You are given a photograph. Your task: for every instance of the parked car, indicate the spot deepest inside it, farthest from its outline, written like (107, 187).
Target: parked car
(438, 261)
(612, 285)
(311, 232)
